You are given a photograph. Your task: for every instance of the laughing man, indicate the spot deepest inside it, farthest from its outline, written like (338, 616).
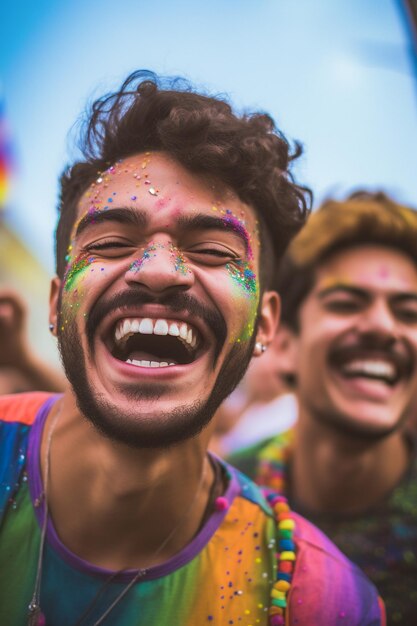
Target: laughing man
(112, 510)
(349, 296)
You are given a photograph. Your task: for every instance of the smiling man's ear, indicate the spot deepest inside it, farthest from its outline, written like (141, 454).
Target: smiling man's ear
(268, 320)
(53, 304)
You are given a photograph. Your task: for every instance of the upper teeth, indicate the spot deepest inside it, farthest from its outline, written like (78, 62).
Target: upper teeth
(381, 369)
(147, 326)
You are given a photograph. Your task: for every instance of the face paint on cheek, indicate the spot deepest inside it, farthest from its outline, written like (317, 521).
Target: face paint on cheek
(69, 305)
(243, 276)
(76, 271)
(246, 282)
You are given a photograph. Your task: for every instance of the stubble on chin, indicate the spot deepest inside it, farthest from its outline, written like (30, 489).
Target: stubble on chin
(152, 429)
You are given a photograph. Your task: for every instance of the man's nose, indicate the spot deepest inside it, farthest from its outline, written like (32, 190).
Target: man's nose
(160, 266)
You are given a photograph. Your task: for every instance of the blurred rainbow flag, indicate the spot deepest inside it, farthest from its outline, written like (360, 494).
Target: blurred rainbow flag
(6, 160)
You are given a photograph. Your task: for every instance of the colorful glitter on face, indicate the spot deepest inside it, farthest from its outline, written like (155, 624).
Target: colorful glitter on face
(180, 262)
(245, 278)
(137, 264)
(243, 275)
(240, 229)
(178, 259)
(75, 270)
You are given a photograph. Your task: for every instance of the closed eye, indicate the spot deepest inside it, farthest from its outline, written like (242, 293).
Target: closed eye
(109, 248)
(408, 316)
(211, 255)
(342, 306)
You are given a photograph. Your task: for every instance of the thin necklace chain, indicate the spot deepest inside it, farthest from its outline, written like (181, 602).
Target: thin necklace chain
(35, 616)
(34, 609)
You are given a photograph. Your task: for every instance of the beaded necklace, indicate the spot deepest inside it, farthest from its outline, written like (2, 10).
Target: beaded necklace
(35, 614)
(286, 557)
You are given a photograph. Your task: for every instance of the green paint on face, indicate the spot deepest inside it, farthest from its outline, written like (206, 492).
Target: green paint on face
(75, 270)
(249, 328)
(244, 276)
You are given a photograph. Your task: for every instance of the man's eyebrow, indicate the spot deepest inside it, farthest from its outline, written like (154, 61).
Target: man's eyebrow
(406, 296)
(122, 215)
(211, 222)
(343, 287)
(402, 296)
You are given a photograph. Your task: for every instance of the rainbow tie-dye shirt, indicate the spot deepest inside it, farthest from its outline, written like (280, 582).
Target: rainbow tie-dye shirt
(224, 576)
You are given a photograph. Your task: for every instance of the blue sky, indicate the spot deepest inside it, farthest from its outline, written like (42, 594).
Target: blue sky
(335, 75)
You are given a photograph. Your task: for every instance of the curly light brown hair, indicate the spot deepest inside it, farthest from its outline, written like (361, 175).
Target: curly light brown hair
(363, 218)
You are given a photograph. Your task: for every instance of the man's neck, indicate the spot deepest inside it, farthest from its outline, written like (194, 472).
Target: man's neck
(115, 506)
(332, 473)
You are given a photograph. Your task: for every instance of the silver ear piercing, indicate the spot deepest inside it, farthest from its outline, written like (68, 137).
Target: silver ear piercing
(51, 328)
(259, 348)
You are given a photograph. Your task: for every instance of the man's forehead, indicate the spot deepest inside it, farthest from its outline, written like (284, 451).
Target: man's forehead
(374, 274)
(155, 181)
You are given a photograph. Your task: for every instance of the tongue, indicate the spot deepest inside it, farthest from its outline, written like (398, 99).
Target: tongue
(141, 355)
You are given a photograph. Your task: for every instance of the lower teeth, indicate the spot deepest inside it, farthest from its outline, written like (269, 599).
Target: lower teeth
(148, 363)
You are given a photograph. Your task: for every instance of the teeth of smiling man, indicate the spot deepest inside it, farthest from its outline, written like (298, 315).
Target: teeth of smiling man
(145, 326)
(148, 363)
(377, 369)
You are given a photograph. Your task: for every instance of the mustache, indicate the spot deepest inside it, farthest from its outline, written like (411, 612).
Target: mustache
(175, 302)
(386, 346)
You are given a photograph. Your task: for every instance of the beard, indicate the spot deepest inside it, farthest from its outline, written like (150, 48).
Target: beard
(136, 428)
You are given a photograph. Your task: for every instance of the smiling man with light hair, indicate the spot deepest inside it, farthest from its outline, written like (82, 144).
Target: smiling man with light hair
(349, 300)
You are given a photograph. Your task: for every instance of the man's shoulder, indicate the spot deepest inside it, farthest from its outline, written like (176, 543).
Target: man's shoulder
(325, 588)
(324, 573)
(21, 408)
(271, 450)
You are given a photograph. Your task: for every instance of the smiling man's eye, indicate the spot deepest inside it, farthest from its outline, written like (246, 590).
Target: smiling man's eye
(215, 252)
(407, 315)
(211, 255)
(109, 247)
(342, 306)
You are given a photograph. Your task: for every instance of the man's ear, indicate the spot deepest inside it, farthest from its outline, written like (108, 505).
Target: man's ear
(268, 318)
(53, 304)
(284, 346)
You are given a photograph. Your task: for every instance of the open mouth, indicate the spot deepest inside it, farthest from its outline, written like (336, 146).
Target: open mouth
(372, 369)
(146, 342)
(387, 367)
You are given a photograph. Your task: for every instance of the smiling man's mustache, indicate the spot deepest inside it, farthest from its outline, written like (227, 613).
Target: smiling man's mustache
(174, 302)
(373, 345)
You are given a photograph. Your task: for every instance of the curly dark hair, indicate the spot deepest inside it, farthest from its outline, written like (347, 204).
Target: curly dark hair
(246, 153)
